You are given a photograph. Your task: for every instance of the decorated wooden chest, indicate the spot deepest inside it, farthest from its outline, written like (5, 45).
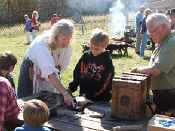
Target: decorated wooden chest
(129, 96)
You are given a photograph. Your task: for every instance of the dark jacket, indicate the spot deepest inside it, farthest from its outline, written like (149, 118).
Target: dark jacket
(143, 26)
(94, 74)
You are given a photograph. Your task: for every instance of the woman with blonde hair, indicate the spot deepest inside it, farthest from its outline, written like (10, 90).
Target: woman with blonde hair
(47, 57)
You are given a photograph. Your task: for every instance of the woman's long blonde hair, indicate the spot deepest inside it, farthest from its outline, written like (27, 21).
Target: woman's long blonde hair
(63, 27)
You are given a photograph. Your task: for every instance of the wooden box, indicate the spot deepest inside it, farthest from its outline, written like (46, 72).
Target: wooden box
(129, 92)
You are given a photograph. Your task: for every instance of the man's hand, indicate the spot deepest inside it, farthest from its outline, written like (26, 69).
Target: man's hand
(147, 70)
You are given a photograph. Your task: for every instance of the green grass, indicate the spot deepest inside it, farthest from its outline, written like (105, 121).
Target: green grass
(16, 44)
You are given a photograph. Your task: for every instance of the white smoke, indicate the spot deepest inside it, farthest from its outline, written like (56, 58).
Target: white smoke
(120, 13)
(117, 19)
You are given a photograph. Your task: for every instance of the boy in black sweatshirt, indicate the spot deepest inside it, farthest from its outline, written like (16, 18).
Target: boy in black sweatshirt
(94, 71)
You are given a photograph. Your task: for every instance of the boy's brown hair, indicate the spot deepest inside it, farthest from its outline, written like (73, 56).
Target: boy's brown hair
(35, 113)
(99, 37)
(7, 59)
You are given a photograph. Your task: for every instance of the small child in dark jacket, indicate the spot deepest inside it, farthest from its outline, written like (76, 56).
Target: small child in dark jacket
(35, 114)
(94, 71)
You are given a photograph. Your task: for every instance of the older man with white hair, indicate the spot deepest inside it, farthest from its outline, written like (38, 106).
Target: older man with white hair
(162, 63)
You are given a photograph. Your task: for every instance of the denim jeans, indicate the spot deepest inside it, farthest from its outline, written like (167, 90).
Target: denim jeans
(138, 41)
(143, 44)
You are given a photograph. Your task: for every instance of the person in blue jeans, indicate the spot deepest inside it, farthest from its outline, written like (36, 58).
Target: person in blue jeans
(139, 19)
(35, 114)
(143, 31)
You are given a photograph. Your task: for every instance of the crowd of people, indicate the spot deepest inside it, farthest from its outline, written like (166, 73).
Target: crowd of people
(141, 30)
(161, 66)
(49, 56)
(32, 25)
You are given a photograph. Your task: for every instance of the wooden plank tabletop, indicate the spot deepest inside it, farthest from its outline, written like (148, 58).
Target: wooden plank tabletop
(68, 120)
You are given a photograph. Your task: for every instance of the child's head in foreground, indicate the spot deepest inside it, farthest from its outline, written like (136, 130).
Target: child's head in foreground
(35, 113)
(98, 42)
(7, 63)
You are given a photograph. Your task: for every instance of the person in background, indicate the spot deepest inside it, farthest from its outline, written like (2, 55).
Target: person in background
(7, 64)
(9, 109)
(139, 19)
(28, 28)
(54, 19)
(171, 14)
(94, 71)
(35, 114)
(143, 31)
(35, 24)
(162, 64)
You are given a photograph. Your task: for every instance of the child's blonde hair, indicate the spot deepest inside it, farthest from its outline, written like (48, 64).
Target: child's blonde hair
(99, 37)
(35, 113)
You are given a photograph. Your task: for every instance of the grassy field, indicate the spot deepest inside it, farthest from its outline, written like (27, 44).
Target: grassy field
(15, 42)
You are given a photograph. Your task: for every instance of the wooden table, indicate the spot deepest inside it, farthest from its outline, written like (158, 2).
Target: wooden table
(96, 117)
(67, 120)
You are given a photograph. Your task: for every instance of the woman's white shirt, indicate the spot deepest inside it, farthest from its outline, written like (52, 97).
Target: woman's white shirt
(45, 62)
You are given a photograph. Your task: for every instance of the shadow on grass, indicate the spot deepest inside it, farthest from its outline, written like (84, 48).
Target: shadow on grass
(117, 56)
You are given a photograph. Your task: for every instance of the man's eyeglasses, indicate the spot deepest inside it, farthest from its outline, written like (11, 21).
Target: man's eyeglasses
(153, 31)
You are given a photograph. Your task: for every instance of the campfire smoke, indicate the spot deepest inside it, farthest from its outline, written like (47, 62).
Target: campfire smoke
(121, 13)
(117, 19)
